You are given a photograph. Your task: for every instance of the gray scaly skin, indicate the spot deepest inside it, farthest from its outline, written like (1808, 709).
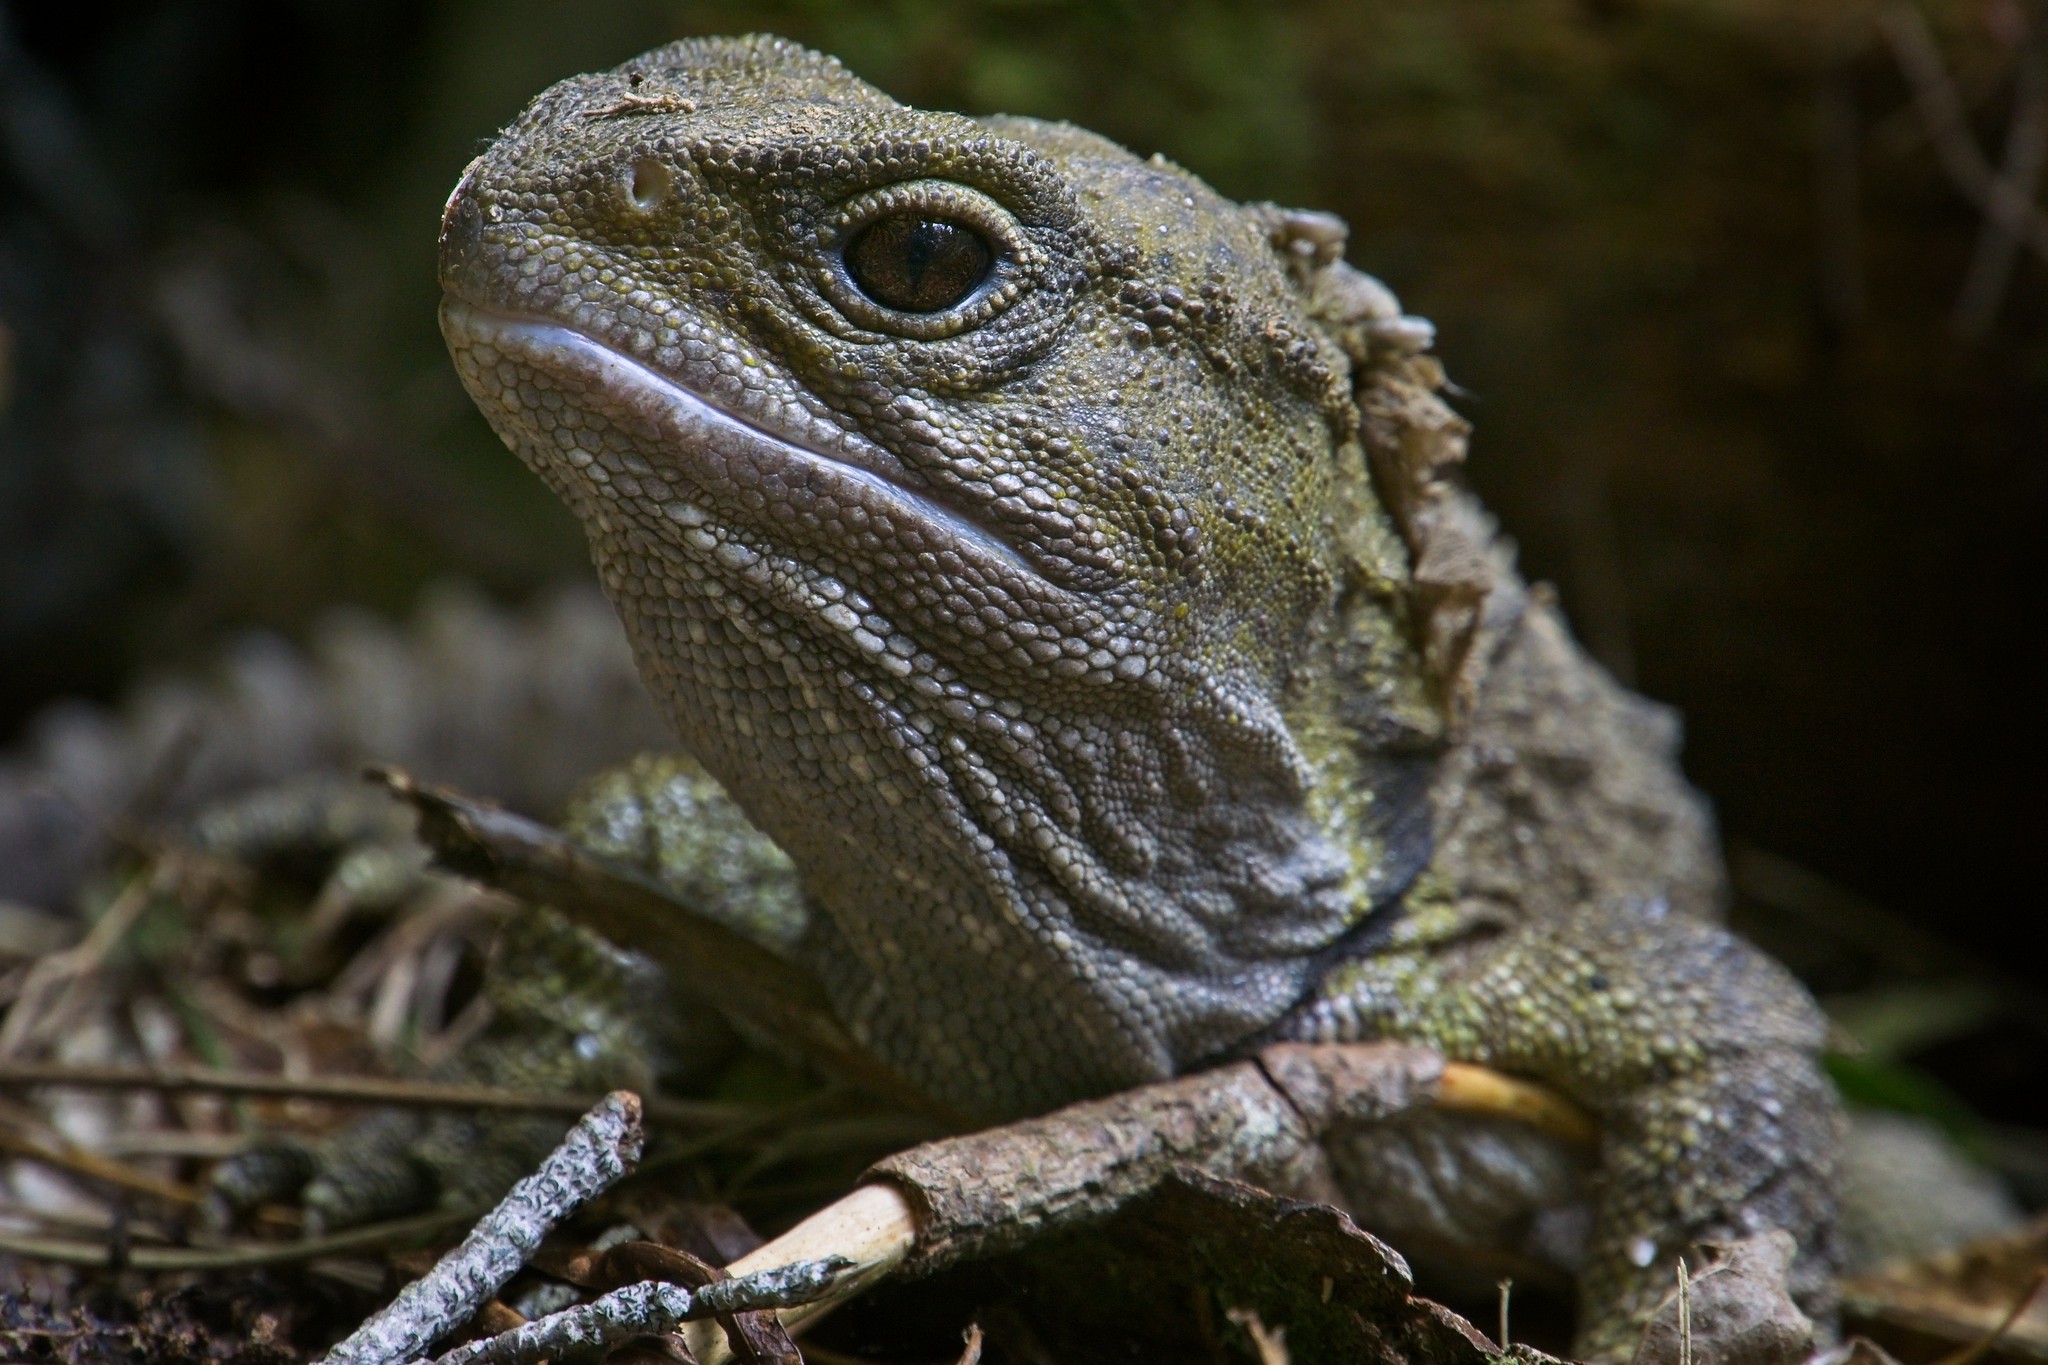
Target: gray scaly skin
(1053, 560)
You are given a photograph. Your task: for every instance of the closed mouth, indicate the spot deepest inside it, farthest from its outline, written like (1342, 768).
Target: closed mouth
(723, 453)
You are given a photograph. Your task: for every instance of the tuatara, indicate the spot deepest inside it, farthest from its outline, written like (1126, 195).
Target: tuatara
(1062, 566)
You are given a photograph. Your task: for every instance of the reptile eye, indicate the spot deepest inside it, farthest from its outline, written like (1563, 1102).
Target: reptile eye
(921, 260)
(916, 264)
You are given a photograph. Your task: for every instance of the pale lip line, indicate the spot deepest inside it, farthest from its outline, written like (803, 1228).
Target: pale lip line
(686, 410)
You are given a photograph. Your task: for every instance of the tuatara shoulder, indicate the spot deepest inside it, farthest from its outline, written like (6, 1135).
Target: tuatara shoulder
(1062, 565)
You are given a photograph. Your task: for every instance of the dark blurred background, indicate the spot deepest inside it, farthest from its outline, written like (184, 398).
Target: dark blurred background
(1748, 302)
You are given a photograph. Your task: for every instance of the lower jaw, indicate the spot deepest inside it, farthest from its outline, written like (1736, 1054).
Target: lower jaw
(729, 454)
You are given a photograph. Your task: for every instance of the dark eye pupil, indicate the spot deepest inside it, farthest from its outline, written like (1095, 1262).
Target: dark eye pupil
(918, 265)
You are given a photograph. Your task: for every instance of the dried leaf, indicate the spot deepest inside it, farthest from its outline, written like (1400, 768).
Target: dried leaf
(1738, 1311)
(1955, 1300)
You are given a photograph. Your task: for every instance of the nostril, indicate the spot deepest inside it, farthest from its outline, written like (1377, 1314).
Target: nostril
(649, 183)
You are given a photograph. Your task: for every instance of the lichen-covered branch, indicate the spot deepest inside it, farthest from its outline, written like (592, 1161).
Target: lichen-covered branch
(649, 1308)
(756, 1337)
(601, 1148)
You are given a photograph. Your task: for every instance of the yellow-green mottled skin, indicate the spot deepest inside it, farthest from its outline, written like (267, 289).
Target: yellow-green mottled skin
(1103, 651)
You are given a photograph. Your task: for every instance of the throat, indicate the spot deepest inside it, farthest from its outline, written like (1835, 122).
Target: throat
(1135, 903)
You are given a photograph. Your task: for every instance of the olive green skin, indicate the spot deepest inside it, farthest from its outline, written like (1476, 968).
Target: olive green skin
(1024, 732)
(1121, 684)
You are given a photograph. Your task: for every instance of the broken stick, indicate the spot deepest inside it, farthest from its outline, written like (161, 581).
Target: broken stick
(603, 1146)
(650, 1308)
(1261, 1120)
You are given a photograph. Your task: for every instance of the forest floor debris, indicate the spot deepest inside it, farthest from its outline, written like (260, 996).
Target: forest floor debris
(195, 1012)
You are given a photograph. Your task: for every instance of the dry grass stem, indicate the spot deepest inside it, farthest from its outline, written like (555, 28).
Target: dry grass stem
(357, 1090)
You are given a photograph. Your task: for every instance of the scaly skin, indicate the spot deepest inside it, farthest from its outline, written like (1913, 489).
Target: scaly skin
(1099, 639)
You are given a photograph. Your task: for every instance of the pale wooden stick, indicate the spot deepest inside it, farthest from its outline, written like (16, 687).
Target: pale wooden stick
(871, 1229)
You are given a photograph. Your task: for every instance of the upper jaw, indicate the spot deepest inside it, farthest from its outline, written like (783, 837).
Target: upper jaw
(785, 476)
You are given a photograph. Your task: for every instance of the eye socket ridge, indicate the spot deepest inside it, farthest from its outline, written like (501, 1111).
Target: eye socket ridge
(925, 259)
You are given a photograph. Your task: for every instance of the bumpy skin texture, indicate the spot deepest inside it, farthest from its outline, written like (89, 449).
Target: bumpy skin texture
(1105, 649)
(569, 1012)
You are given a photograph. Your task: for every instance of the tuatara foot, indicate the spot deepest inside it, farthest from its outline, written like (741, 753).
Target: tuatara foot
(1699, 1054)
(568, 1012)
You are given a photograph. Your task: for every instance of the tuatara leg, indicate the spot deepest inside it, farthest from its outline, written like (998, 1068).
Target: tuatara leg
(1697, 1051)
(569, 1012)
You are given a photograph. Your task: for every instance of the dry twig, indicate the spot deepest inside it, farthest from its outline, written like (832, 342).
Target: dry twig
(1981, 1347)
(979, 1195)
(1947, 126)
(356, 1090)
(755, 1337)
(65, 974)
(870, 1231)
(2019, 178)
(650, 1308)
(1269, 1342)
(96, 1167)
(99, 1255)
(528, 859)
(601, 1148)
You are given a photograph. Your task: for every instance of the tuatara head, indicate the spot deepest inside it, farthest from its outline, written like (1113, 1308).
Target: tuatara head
(986, 506)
